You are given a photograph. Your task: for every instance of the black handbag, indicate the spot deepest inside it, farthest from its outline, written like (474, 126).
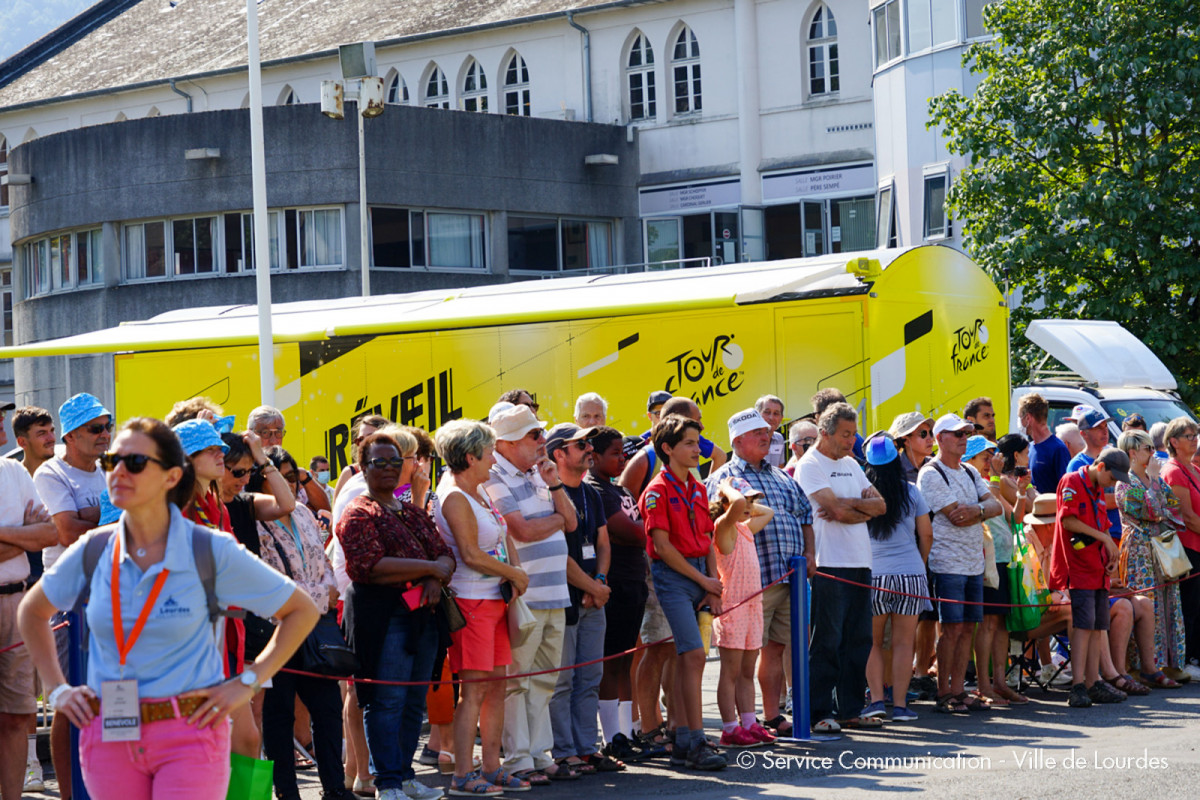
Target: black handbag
(324, 650)
(450, 611)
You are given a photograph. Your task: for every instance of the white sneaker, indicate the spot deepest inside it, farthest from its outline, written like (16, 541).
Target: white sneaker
(416, 790)
(390, 793)
(1193, 670)
(33, 777)
(1048, 676)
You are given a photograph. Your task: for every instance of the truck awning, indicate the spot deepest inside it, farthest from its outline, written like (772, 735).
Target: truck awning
(1101, 352)
(494, 304)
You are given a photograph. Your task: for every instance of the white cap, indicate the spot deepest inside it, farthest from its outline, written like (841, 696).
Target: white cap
(513, 423)
(744, 422)
(503, 405)
(951, 422)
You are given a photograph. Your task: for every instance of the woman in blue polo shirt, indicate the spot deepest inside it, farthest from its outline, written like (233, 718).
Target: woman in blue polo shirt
(160, 645)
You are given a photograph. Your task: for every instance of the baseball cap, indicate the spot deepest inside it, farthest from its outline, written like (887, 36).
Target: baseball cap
(198, 434)
(8, 407)
(514, 422)
(1077, 412)
(1117, 462)
(79, 410)
(744, 422)
(976, 445)
(743, 487)
(566, 432)
(880, 449)
(657, 399)
(948, 423)
(1091, 419)
(905, 424)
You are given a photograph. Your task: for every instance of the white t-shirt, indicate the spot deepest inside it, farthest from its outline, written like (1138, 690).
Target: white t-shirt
(955, 550)
(66, 488)
(357, 485)
(16, 491)
(838, 544)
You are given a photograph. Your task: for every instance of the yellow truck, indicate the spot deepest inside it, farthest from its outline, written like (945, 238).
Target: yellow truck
(895, 330)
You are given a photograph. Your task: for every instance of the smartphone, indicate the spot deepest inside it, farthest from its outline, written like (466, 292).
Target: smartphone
(1021, 472)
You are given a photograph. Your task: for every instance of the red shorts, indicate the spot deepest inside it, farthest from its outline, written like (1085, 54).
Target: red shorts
(483, 645)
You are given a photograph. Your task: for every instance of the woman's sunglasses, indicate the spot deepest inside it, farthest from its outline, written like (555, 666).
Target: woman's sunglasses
(241, 473)
(134, 462)
(380, 463)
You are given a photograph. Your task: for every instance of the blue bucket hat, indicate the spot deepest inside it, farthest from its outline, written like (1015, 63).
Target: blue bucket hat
(80, 410)
(880, 449)
(976, 445)
(197, 434)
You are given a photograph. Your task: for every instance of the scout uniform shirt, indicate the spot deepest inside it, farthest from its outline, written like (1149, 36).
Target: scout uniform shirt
(679, 509)
(1083, 568)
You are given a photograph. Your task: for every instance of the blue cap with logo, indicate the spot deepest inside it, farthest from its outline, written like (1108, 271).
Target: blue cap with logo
(79, 410)
(975, 446)
(197, 434)
(1091, 419)
(880, 449)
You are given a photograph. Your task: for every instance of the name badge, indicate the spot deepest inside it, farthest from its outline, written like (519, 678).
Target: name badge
(589, 552)
(120, 711)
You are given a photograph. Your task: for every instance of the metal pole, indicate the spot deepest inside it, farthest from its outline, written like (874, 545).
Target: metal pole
(801, 711)
(76, 676)
(364, 256)
(262, 230)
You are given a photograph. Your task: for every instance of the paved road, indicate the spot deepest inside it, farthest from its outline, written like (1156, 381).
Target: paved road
(1143, 748)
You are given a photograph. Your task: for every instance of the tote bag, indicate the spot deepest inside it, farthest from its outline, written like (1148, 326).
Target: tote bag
(1026, 585)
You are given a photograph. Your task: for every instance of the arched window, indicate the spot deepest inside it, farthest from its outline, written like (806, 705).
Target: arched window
(153, 112)
(822, 53)
(437, 91)
(685, 72)
(516, 87)
(474, 88)
(397, 90)
(288, 97)
(639, 77)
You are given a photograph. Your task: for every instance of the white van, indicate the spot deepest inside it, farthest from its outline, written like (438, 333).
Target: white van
(1108, 368)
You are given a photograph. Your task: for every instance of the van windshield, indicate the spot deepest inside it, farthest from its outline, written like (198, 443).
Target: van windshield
(1152, 410)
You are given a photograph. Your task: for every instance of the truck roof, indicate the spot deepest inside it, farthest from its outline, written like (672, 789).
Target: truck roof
(494, 304)
(1101, 352)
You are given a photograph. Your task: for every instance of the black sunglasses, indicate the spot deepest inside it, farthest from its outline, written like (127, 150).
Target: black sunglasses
(134, 462)
(99, 428)
(241, 473)
(380, 463)
(532, 406)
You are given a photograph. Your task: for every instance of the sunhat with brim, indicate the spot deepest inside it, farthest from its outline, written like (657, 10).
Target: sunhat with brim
(108, 512)
(513, 423)
(905, 424)
(976, 445)
(880, 449)
(1045, 508)
(79, 410)
(197, 434)
(496, 410)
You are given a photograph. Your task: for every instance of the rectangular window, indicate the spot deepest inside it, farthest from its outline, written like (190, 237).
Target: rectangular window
(885, 219)
(586, 245)
(390, 239)
(974, 18)
(456, 240)
(919, 31)
(936, 224)
(532, 244)
(87, 257)
(944, 14)
(417, 231)
(641, 95)
(886, 19)
(234, 256)
(6, 291)
(60, 262)
(320, 237)
(3, 171)
(145, 250)
(291, 241)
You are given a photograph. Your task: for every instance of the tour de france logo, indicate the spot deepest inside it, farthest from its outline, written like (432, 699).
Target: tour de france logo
(969, 346)
(707, 372)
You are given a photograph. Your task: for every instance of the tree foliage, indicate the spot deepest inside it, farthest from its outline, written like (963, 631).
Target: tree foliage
(1083, 142)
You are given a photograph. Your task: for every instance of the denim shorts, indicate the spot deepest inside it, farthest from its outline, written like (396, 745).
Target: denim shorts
(948, 586)
(679, 596)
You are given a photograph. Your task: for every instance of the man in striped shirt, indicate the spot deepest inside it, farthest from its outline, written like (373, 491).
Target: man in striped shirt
(526, 490)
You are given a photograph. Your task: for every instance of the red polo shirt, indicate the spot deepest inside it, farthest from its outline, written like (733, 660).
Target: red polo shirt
(1083, 568)
(681, 511)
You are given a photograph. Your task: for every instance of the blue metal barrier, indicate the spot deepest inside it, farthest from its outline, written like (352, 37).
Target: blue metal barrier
(76, 676)
(801, 706)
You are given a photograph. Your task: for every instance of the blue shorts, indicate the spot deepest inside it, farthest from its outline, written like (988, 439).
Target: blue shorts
(947, 586)
(679, 596)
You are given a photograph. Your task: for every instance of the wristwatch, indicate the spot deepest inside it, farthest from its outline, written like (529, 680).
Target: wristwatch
(982, 512)
(250, 678)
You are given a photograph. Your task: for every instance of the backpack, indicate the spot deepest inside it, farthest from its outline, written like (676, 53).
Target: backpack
(202, 554)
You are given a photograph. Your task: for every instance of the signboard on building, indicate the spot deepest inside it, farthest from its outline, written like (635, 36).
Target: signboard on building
(690, 197)
(797, 183)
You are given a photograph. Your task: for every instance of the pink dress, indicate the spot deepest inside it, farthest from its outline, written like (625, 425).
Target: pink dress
(741, 628)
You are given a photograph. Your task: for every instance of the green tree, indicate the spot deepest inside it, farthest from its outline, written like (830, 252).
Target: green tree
(1083, 142)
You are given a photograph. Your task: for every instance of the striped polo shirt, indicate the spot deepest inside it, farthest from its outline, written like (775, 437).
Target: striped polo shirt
(545, 561)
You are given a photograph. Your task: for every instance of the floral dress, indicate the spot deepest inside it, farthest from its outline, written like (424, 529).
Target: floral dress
(1151, 511)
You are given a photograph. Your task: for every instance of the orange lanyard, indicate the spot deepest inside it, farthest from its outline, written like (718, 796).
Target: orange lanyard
(125, 645)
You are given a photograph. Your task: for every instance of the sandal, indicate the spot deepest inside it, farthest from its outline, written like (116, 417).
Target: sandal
(562, 772)
(577, 764)
(780, 725)
(534, 777)
(1158, 680)
(473, 785)
(506, 782)
(950, 704)
(826, 726)
(974, 702)
(1129, 686)
(861, 722)
(602, 763)
(996, 700)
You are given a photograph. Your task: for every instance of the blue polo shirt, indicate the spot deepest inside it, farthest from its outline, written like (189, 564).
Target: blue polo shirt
(177, 650)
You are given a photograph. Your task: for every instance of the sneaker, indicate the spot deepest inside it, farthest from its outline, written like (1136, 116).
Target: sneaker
(392, 793)
(873, 710)
(761, 733)
(1078, 698)
(1101, 692)
(416, 790)
(704, 757)
(1192, 669)
(33, 777)
(1053, 676)
(739, 737)
(903, 714)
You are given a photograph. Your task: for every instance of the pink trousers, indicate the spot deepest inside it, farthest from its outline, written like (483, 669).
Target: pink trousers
(173, 761)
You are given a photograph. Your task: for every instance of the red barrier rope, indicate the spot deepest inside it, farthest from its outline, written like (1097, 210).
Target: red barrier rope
(15, 645)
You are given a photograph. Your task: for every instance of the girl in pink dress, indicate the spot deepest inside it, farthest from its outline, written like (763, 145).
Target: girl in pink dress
(738, 632)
